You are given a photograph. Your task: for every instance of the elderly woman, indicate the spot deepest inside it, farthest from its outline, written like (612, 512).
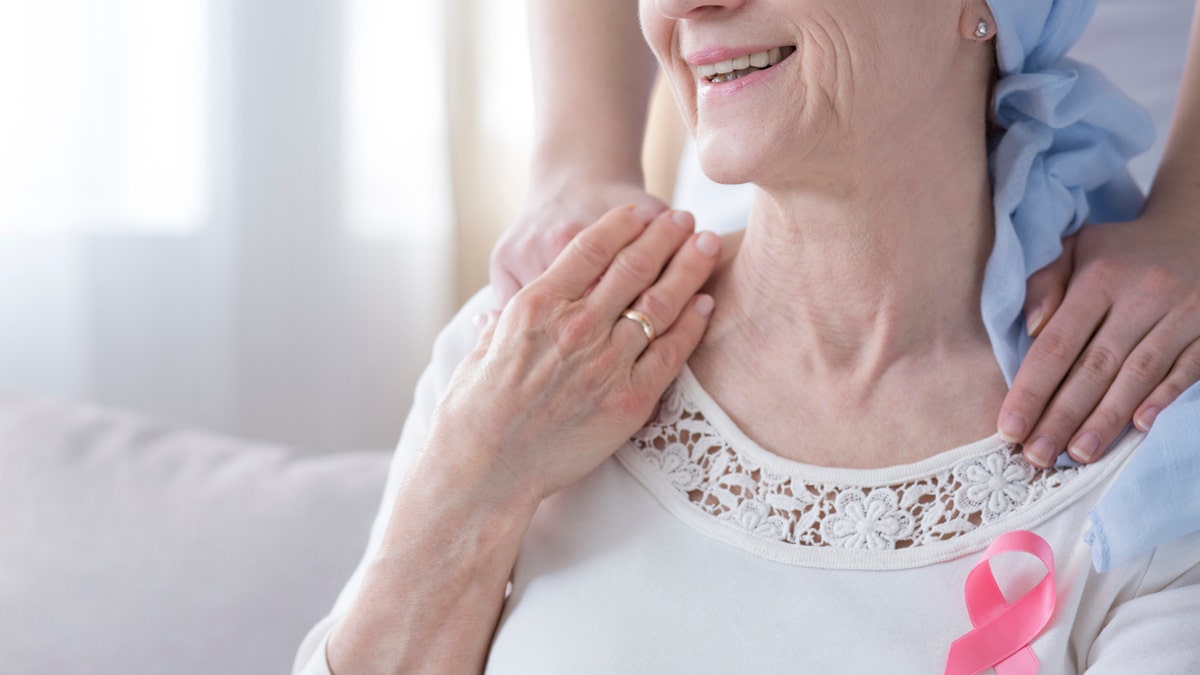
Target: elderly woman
(1130, 285)
(805, 473)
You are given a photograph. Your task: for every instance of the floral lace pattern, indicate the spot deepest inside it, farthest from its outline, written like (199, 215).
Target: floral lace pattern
(728, 485)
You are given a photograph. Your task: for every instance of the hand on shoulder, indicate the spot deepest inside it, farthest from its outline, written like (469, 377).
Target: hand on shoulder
(561, 376)
(1117, 325)
(552, 217)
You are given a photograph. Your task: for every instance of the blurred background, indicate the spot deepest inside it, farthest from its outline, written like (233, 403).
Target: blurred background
(254, 215)
(251, 215)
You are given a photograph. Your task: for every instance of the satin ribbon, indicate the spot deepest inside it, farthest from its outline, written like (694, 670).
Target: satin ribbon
(1002, 632)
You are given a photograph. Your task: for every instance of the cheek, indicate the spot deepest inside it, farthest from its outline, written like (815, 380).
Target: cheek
(685, 102)
(658, 31)
(655, 29)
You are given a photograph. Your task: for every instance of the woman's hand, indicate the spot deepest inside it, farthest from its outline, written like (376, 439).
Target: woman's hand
(560, 379)
(557, 382)
(549, 223)
(1120, 345)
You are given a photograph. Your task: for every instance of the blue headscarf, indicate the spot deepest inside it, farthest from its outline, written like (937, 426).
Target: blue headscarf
(1061, 160)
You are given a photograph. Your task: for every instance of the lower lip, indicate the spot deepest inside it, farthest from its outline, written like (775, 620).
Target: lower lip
(717, 89)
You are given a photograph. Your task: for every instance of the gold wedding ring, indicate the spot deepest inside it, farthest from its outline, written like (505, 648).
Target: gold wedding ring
(643, 321)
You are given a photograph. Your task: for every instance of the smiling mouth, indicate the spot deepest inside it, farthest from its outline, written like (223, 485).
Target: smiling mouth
(732, 69)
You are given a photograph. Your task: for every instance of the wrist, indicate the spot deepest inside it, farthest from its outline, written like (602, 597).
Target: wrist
(584, 195)
(563, 167)
(461, 475)
(1176, 208)
(450, 519)
(434, 590)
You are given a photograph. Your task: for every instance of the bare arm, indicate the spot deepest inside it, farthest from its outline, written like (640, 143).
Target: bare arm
(555, 384)
(431, 597)
(1176, 189)
(592, 75)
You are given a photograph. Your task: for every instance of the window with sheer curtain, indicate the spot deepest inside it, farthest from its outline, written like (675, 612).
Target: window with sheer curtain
(241, 215)
(105, 125)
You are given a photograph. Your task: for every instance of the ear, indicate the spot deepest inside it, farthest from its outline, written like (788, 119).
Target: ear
(976, 22)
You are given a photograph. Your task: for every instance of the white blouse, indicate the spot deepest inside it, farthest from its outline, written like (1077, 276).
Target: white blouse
(694, 550)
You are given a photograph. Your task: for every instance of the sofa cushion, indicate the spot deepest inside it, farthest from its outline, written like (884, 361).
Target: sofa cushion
(131, 546)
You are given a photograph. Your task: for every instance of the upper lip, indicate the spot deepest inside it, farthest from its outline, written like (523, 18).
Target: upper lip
(715, 64)
(708, 55)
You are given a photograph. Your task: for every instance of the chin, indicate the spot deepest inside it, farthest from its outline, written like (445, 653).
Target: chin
(730, 161)
(765, 155)
(725, 176)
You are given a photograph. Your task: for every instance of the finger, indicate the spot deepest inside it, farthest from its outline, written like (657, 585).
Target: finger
(1184, 374)
(663, 302)
(504, 285)
(501, 267)
(662, 360)
(653, 414)
(1056, 348)
(1144, 369)
(486, 325)
(548, 247)
(1045, 289)
(1087, 384)
(522, 257)
(593, 251)
(640, 263)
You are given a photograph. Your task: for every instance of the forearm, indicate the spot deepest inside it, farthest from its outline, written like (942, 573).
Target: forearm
(433, 594)
(592, 76)
(1176, 189)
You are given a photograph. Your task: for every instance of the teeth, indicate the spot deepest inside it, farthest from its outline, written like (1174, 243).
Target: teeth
(731, 69)
(725, 77)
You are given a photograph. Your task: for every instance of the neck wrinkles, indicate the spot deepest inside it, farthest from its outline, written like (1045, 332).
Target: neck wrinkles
(857, 268)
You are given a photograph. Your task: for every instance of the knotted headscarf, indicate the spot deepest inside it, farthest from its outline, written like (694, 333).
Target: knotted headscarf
(1060, 161)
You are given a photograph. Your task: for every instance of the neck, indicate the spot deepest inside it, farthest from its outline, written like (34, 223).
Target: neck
(857, 273)
(854, 300)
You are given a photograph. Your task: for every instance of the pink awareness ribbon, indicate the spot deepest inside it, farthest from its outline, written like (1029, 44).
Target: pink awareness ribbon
(1002, 632)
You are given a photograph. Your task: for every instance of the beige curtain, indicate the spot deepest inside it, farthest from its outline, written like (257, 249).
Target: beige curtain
(490, 115)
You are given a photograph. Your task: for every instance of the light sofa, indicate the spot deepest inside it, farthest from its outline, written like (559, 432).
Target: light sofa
(135, 547)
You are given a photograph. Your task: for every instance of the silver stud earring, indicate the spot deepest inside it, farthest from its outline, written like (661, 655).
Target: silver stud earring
(982, 30)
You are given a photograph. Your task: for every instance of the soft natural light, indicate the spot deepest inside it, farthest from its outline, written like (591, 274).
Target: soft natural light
(397, 167)
(104, 122)
(506, 100)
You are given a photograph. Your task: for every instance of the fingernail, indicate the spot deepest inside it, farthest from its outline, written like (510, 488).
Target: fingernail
(704, 305)
(1012, 428)
(1085, 448)
(1146, 419)
(480, 321)
(644, 212)
(683, 219)
(1033, 323)
(708, 243)
(1041, 452)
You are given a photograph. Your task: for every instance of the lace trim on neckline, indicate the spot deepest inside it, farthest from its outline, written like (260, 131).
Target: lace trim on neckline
(985, 483)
